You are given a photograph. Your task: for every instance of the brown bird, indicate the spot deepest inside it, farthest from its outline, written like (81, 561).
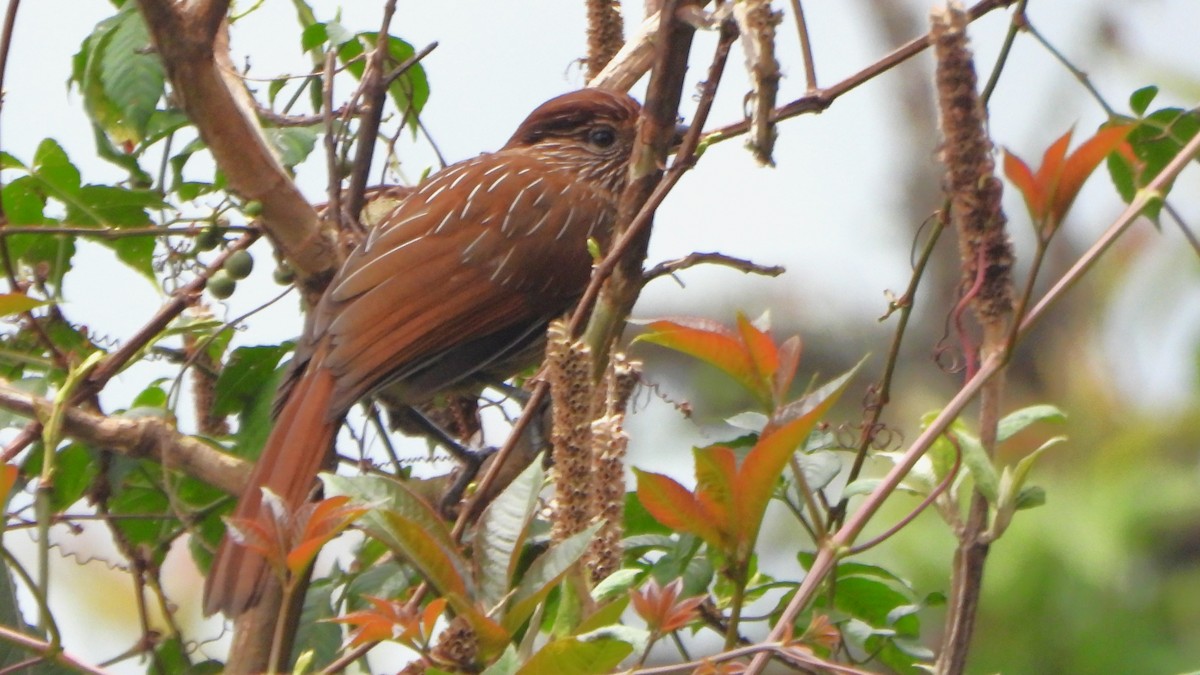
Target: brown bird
(457, 283)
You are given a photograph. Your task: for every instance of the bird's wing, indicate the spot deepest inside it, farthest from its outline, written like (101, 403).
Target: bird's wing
(442, 273)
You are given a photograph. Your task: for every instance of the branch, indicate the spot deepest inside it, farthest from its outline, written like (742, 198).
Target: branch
(46, 651)
(138, 437)
(180, 300)
(195, 52)
(820, 99)
(668, 267)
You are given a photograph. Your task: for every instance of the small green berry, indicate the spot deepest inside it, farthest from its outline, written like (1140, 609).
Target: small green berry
(208, 239)
(221, 285)
(284, 274)
(252, 208)
(239, 264)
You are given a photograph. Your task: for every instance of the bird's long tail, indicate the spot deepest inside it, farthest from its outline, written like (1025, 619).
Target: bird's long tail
(298, 447)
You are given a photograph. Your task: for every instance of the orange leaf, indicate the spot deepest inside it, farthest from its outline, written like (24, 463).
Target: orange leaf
(789, 361)
(763, 355)
(708, 341)
(1022, 177)
(660, 607)
(429, 617)
(1052, 163)
(8, 478)
(716, 471)
(672, 505)
(314, 525)
(1081, 164)
(767, 459)
(387, 620)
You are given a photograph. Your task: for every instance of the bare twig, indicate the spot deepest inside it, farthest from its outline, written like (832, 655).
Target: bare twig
(823, 98)
(810, 67)
(669, 267)
(46, 651)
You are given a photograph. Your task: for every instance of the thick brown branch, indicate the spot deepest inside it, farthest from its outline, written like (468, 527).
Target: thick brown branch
(195, 52)
(142, 437)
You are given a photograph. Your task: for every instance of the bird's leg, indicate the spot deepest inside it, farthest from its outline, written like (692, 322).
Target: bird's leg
(413, 421)
(532, 441)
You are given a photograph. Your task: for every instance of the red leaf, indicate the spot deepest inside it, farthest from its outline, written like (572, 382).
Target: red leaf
(429, 617)
(672, 505)
(1052, 163)
(1080, 165)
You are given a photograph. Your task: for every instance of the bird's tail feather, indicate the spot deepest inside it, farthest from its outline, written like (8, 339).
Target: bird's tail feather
(296, 450)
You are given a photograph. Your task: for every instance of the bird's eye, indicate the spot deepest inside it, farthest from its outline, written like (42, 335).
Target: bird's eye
(602, 137)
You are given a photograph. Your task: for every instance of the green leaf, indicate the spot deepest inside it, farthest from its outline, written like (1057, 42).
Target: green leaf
(980, 465)
(507, 664)
(1029, 497)
(605, 615)
(75, 468)
(15, 303)
(1016, 421)
(820, 468)
(409, 92)
(247, 376)
(256, 416)
(52, 166)
(502, 531)
(405, 523)
(130, 72)
(591, 655)
(294, 144)
(1140, 100)
(615, 584)
(121, 79)
(112, 206)
(543, 574)
(873, 601)
(316, 632)
(313, 36)
(1155, 141)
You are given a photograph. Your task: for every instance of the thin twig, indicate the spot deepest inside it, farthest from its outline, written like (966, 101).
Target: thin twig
(912, 515)
(810, 67)
(1074, 70)
(821, 99)
(670, 267)
(46, 651)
